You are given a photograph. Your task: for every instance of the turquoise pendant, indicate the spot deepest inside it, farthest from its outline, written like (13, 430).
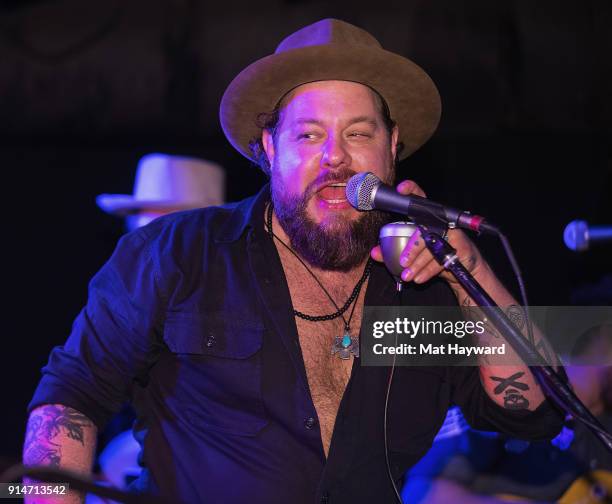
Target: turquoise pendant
(345, 346)
(346, 341)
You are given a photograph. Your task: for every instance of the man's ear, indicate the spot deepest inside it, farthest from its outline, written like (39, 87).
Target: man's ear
(394, 138)
(268, 145)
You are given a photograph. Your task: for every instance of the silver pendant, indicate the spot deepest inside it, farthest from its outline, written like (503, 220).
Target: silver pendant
(345, 346)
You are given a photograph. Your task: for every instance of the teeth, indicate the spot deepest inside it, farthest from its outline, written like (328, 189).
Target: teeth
(340, 184)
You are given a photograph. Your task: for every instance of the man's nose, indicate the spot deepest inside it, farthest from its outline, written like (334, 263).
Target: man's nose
(335, 153)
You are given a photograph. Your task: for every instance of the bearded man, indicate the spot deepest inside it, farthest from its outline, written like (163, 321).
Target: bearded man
(234, 330)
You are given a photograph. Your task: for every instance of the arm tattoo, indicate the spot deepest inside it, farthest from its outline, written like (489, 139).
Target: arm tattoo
(471, 262)
(511, 386)
(470, 313)
(517, 316)
(44, 425)
(514, 312)
(543, 350)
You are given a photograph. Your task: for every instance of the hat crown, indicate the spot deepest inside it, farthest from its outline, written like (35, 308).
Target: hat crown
(184, 180)
(331, 49)
(327, 32)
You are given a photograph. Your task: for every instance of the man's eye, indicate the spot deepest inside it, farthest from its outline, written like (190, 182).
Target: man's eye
(359, 134)
(307, 136)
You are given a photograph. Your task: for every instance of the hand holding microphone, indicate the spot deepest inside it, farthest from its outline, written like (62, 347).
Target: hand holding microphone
(365, 191)
(399, 241)
(416, 261)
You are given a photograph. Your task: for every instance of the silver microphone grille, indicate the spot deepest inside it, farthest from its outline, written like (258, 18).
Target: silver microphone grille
(359, 190)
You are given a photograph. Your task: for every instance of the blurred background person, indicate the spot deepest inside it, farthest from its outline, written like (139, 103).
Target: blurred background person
(166, 184)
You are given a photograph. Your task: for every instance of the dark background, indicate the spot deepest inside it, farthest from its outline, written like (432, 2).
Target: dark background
(87, 88)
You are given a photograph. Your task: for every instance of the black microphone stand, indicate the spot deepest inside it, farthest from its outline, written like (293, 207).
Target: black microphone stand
(554, 386)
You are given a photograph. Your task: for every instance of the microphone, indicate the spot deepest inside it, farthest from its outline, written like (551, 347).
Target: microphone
(578, 235)
(394, 238)
(365, 191)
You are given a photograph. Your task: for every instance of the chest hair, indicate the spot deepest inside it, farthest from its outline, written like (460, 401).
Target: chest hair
(327, 374)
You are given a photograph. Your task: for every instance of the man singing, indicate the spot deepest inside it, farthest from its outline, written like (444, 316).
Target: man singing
(234, 330)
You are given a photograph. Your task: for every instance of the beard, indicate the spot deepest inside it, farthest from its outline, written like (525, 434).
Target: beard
(337, 243)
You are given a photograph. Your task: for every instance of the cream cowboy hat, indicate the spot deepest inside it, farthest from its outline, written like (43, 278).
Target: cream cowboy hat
(331, 50)
(173, 182)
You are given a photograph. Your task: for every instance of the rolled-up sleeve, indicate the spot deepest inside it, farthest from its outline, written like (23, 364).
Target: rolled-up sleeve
(114, 339)
(482, 413)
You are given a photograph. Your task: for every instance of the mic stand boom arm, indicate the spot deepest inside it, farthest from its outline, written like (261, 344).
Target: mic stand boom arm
(555, 388)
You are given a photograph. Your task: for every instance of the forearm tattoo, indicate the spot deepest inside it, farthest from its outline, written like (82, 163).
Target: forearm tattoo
(471, 263)
(517, 316)
(513, 312)
(511, 387)
(44, 426)
(471, 312)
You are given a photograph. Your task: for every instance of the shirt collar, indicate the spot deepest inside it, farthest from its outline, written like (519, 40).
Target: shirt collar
(247, 213)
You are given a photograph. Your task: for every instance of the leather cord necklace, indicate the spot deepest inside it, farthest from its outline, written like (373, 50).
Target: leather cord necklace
(346, 345)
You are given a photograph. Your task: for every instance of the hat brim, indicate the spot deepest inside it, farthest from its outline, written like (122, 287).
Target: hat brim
(125, 204)
(412, 97)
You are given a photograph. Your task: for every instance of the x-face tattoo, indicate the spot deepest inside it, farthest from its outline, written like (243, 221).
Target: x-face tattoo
(510, 387)
(514, 400)
(511, 381)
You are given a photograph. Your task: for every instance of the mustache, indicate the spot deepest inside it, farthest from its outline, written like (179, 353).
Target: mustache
(329, 177)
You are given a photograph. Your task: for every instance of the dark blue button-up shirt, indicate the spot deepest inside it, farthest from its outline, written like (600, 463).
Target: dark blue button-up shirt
(192, 320)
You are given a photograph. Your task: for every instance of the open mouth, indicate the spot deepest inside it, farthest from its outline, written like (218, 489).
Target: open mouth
(333, 193)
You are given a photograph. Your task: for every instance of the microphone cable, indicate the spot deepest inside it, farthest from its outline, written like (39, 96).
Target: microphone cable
(398, 497)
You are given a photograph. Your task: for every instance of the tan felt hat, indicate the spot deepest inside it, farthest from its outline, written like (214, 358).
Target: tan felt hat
(331, 49)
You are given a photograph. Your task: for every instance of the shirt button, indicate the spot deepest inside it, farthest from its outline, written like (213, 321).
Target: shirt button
(210, 340)
(309, 423)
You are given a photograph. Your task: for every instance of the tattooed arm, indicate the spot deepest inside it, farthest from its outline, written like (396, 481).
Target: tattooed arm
(61, 437)
(512, 387)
